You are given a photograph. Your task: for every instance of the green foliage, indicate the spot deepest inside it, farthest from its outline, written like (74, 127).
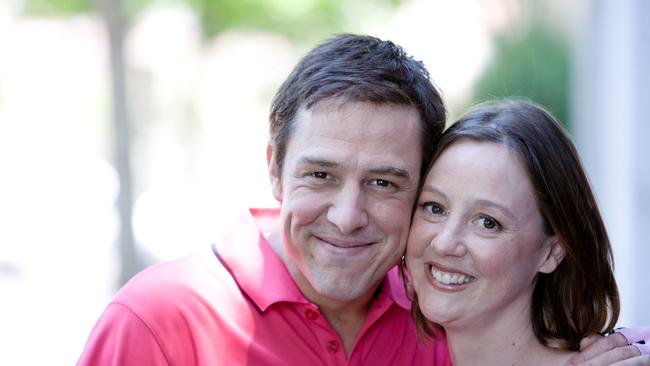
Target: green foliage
(298, 19)
(57, 7)
(134, 7)
(535, 66)
(71, 7)
(294, 18)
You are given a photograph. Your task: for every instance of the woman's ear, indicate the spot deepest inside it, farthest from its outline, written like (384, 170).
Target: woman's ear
(555, 254)
(274, 173)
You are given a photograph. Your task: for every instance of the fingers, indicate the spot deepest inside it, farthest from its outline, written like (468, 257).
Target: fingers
(625, 355)
(608, 348)
(588, 341)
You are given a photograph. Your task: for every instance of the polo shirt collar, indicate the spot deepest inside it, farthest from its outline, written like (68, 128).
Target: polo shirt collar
(259, 272)
(395, 288)
(253, 264)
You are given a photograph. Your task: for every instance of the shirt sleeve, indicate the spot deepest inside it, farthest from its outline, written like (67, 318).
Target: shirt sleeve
(120, 337)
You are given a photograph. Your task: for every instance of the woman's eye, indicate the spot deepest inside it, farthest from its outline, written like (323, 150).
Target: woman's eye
(487, 222)
(433, 208)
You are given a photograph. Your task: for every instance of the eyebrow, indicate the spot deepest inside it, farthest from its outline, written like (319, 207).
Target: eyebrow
(479, 202)
(503, 209)
(433, 190)
(316, 161)
(381, 170)
(389, 170)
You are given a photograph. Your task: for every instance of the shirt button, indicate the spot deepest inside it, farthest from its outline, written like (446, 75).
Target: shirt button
(333, 346)
(310, 314)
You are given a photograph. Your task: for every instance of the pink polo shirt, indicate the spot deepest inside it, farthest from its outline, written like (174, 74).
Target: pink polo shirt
(241, 307)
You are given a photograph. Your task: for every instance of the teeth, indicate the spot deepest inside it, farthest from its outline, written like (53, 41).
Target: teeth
(448, 278)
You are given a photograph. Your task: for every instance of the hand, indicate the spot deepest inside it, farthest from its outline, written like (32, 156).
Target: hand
(614, 349)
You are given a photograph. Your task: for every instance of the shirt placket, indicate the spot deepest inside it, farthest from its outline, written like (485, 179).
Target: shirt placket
(329, 343)
(377, 310)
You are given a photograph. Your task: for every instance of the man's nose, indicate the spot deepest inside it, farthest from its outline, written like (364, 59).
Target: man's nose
(347, 210)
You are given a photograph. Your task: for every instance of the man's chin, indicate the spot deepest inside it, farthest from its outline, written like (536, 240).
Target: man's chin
(346, 287)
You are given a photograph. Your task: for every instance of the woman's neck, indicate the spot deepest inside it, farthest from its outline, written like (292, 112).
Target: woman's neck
(508, 342)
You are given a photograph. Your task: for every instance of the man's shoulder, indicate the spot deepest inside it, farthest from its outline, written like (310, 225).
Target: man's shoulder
(165, 312)
(174, 285)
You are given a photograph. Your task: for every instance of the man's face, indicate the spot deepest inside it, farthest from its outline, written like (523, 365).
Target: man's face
(347, 188)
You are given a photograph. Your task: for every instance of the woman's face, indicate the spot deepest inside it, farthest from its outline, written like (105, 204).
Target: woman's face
(477, 240)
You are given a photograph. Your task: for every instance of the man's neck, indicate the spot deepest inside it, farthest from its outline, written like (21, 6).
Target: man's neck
(346, 317)
(346, 321)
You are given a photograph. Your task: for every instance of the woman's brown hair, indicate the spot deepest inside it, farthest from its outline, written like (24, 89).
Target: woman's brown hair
(580, 297)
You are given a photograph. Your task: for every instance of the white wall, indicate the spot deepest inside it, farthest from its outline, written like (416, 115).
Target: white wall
(611, 100)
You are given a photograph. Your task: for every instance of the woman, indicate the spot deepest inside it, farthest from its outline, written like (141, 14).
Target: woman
(507, 247)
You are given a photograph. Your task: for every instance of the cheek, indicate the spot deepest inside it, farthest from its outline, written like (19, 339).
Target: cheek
(303, 207)
(418, 240)
(506, 262)
(393, 221)
(493, 265)
(302, 215)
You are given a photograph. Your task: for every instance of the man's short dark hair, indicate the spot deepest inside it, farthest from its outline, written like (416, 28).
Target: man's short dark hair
(357, 68)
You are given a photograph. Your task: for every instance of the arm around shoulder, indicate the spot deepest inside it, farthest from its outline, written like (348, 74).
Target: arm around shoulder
(624, 346)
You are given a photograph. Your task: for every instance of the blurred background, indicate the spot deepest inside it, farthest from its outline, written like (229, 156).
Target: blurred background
(134, 131)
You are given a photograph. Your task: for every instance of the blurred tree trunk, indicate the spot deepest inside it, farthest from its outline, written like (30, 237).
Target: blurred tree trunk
(113, 16)
(216, 16)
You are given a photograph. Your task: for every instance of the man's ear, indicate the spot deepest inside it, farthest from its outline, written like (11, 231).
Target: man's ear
(274, 173)
(555, 254)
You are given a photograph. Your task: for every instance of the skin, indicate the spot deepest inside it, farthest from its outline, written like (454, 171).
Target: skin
(478, 228)
(346, 202)
(346, 189)
(612, 350)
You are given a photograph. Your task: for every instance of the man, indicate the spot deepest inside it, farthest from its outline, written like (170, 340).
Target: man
(313, 283)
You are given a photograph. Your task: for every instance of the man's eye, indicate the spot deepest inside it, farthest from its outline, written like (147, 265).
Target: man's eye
(319, 175)
(381, 182)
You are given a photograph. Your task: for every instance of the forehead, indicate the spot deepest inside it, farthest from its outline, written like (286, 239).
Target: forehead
(484, 159)
(358, 128)
(483, 171)
(356, 118)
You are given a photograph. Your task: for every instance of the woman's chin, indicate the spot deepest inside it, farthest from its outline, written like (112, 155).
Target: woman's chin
(442, 318)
